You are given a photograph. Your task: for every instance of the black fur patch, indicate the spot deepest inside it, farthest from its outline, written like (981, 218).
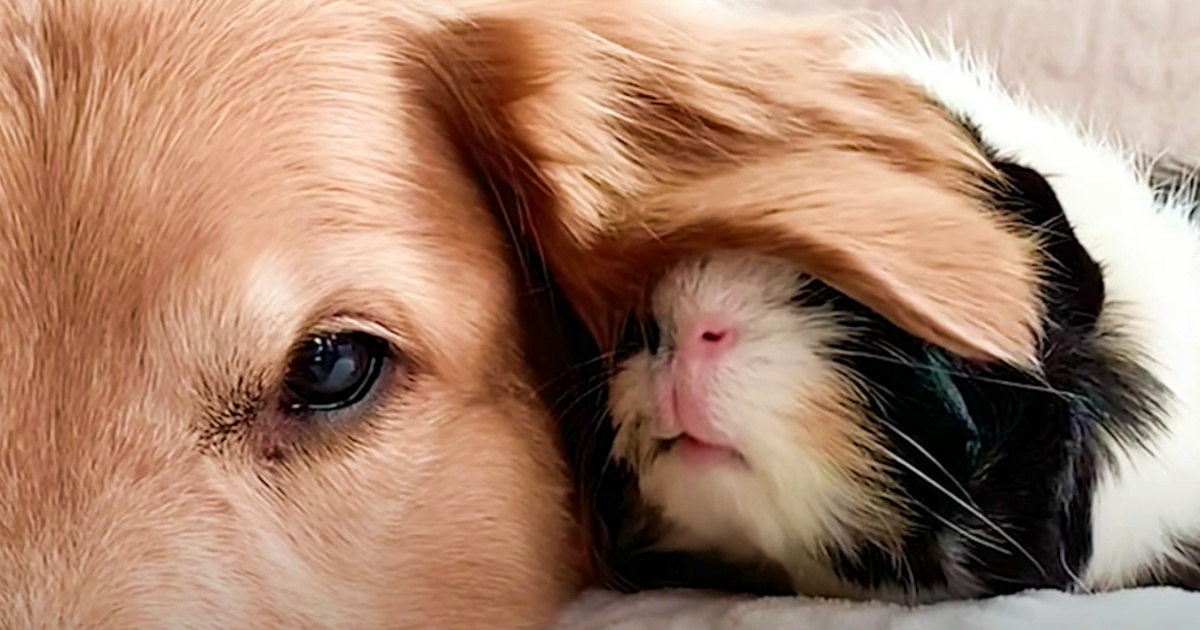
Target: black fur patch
(1017, 456)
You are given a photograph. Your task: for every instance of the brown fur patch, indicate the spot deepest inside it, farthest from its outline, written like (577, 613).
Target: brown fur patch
(852, 447)
(628, 144)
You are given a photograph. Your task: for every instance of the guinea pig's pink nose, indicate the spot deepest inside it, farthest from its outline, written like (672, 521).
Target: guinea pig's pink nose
(706, 338)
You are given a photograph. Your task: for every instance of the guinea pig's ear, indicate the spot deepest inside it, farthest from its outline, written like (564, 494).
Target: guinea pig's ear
(618, 139)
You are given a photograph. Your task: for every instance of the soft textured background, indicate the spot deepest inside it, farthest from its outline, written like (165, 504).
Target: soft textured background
(1133, 65)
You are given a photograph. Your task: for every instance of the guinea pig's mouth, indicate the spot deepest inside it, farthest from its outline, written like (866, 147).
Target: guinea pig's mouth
(699, 452)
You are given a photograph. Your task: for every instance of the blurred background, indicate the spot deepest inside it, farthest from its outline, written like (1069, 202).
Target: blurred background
(1133, 66)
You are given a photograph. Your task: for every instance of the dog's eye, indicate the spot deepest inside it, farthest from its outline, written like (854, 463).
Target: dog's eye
(333, 371)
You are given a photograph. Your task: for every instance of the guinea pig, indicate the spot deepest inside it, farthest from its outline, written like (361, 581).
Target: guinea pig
(768, 432)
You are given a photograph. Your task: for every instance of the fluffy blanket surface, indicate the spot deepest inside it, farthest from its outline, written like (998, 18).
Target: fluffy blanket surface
(1131, 66)
(1141, 609)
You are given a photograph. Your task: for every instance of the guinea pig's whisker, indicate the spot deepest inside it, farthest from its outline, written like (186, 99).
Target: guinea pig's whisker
(593, 441)
(901, 434)
(589, 437)
(967, 534)
(587, 382)
(588, 442)
(574, 369)
(594, 427)
(589, 389)
(1062, 560)
(1004, 579)
(970, 509)
(967, 375)
(620, 582)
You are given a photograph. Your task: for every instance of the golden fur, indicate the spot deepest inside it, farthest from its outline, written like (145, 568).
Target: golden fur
(189, 188)
(668, 135)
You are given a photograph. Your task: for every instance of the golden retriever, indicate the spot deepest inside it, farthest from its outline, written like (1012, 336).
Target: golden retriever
(260, 322)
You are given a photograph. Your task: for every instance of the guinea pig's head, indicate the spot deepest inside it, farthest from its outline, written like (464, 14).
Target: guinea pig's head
(768, 418)
(729, 407)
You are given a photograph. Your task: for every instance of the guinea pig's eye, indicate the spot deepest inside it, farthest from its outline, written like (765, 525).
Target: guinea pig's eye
(333, 371)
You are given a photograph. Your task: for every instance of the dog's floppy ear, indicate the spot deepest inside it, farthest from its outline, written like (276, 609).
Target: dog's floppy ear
(619, 139)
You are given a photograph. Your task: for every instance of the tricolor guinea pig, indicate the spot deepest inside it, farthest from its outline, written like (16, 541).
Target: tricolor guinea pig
(770, 433)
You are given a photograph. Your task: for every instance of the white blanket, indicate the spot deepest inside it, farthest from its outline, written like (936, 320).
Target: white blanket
(1141, 609)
